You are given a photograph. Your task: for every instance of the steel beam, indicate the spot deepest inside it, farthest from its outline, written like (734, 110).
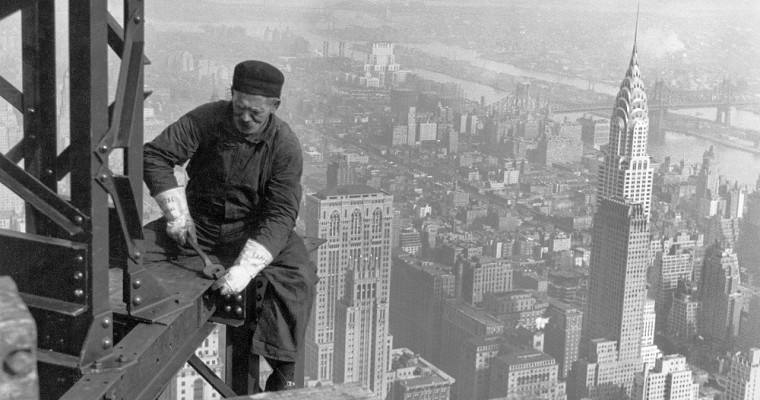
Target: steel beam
(43, 200)
(8, 7)
(88, 79)
(209, 376)
(116, 36)
(39, 107)
(11, 94)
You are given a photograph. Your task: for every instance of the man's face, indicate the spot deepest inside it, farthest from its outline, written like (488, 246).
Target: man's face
(250, 112)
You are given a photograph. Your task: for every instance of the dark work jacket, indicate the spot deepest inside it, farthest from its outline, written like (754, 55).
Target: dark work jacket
(244, 187)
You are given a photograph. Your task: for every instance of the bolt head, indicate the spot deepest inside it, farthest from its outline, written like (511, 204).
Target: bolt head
(137, 254)
(49, 171)
(78, 220)
(31, 110)
(239, 298)
(137, 283)
(106, 343)
(106, 322)
(103, 148)
(20, 362)
(137, 300)
(78, 276)
(227, 309)
(79, 293)
(238, 310)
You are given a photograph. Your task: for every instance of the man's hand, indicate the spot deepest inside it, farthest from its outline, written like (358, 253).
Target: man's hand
(253, 258)
(179, 223)
(181, 228)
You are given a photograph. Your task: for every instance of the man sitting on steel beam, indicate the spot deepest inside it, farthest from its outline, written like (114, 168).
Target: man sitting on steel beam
(241, 203)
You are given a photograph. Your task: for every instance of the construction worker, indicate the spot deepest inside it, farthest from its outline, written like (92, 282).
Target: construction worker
(240, 202)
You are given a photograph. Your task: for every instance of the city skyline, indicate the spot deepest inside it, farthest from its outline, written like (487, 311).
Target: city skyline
(482, 241)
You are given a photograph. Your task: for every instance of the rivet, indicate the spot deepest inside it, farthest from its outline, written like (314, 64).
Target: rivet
(227, 308)
(238, 310)
(32, 136)
(79, 293)
(239, 298)
(49, 171)
(137, 283)
(20, 362)
(137, 300)
(106, 343)
(227, 297)
(138, 19)
(103, 148)
(106, 322)
(137, 254)
(78, 220)
(78, 275)
(31, 110)
(103, 177)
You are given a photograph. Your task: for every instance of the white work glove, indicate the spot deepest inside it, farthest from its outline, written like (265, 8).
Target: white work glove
(252, 259)
(179, 223)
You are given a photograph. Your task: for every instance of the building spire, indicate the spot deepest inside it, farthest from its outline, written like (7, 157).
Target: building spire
(634, 53)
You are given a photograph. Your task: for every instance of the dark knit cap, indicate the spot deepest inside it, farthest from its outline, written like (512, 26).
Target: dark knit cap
(258, 77)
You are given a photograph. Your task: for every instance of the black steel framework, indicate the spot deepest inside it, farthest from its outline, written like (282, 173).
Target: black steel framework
(107, 326)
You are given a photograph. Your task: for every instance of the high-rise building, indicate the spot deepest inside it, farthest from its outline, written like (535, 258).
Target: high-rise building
(418, 291)
(722, 230)
(671, 379)
(720, 295)
(563, 334)
(340, 172)
(381, 65)
(612, 332)
(413, 378)
(427, 131)
(671, 264)
(649, 351)
(470, 339)
(347, 338)
(411, 126)
(401, 100)
(743, 381)
(617, 277)
(750, 325)
(707, 186)
(746, 247)
(683, 318)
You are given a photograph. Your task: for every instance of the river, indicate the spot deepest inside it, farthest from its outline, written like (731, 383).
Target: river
(735, 164)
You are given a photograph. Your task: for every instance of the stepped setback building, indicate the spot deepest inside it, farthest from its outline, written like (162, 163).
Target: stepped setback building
(612, 334)
(347, 339)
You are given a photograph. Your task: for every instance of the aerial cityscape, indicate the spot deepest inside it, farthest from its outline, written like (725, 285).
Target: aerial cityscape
(519, 200)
